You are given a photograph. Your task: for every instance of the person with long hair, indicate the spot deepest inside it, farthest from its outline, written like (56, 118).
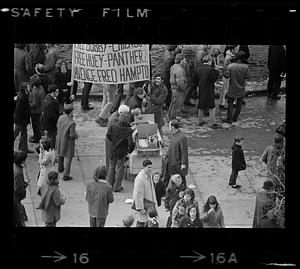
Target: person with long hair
(192, 218)
(212, 216)
(46, 160)
(51, 200)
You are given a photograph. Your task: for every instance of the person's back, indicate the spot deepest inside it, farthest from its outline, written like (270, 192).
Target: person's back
(178, 78)
(239, 72)
(98, 197)
(50, 113)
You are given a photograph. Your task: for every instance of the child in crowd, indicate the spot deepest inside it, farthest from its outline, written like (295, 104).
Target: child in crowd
(181, 213)
(192, 218)
(159, 187)
(174, 192)
(238, 161)
(128, 221)
(212, 214)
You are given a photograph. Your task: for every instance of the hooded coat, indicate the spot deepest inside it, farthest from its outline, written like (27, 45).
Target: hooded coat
(51, 201)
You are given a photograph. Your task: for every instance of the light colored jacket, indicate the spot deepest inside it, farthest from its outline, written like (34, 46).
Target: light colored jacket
(178, 78)
(143, 189)
(47, 162)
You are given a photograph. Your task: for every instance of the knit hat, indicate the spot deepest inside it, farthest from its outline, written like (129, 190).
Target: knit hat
(268, 184)
(179, 57)
(123, 109)
(138, 90)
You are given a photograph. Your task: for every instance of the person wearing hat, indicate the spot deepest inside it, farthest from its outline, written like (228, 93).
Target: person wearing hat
(168, 60)
(265, 201)
(51, 112)
(136, 100)
(176, 159)
(51, 200)
(179, 83)
(238, 161)
(65, 141)
(237, 72)
(205, 77)
(271, 154)
(45, 79)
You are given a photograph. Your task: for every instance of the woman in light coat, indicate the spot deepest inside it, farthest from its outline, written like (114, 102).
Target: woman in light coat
(46, 161)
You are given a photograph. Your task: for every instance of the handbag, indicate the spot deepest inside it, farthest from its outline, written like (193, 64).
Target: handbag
(147, 205)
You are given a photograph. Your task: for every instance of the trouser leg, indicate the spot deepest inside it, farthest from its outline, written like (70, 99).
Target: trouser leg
(233, 177)
(23, 145)
(230, 101)
(118, 98)
(85, 94)
(237, 112)
(212, 116)
(60, 164)
(68, 167)
(111, 171)
(200, 115)
(100, 222)
(119, 174)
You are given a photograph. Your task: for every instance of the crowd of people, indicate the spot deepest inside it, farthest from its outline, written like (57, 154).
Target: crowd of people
(44, 94)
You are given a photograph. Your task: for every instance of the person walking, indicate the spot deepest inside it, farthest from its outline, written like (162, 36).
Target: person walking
(192, 218)
(174, 192)
(65, 141)
(144, 197)
(109, 92)
(156, 96)
(206, 76)
(122, 143)
(20, 186)
(51, 113)
(237, 72)
(46, 161)
(212, 215)
(277, 69)
(176, 159)
(36, 99)
(51, 200)
(178, 80)
(238, 161)
(99, 195)
(22, 116)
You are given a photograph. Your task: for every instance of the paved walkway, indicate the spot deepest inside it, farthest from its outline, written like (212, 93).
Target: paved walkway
(209, 157)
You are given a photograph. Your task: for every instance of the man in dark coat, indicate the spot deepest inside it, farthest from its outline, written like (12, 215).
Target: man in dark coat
(122, 144)
(65, 141)
(238, 161)
(205, 77)
(20, 73)
(277, 68)
(36, 98)
(45, 79)
(176, 159)
(51, 113)
(99, 195)
(22, 116)
(156, 97)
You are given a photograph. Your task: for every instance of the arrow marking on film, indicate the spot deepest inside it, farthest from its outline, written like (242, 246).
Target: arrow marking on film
(58, 258)
(198, 258)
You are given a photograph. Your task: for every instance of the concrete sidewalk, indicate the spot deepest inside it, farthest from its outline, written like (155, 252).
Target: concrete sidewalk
(209, 162)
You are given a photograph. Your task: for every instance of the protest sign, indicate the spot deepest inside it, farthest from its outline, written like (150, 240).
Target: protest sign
(110, 63)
